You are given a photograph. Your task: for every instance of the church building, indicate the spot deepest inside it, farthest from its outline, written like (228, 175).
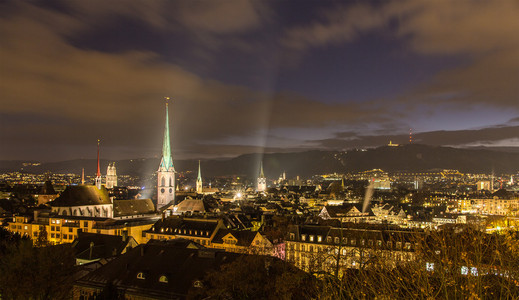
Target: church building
(166, 172)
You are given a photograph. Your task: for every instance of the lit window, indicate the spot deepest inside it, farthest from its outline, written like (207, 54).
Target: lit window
(303, 237)
(25, 227)
(198, 284)
(311, 238)
(319, 238)
(58, 221)
(163, 278)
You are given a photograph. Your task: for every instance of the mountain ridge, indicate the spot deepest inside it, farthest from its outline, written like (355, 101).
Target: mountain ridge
(412, 157)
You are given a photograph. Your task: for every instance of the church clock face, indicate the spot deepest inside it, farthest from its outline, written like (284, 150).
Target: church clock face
(162, 191)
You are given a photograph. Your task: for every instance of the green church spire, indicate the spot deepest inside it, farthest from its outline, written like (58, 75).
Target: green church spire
(199, 172)
(261, 170)
(167, 161)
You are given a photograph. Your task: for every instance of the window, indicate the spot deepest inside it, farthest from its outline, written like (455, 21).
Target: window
(362, 242)
(198, 284)
(303, 237)
(329, 239)
(52, 235)
(25, 227)
(398, 245)
(352, 241)
(319, 238)
(163, 279)
(141, 275)
(58, 221)
(85, 224)
(311, 238)
(337, 240)
(292, 236)
(70, 229)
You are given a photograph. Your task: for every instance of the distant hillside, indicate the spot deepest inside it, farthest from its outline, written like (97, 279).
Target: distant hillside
(404, 158)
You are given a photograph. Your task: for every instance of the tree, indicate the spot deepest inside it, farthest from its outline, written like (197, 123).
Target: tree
(458, 262)
(28, 272)
(257, 277)
(42, 239)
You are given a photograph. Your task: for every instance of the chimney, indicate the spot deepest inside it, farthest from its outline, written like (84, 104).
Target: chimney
(36, 214)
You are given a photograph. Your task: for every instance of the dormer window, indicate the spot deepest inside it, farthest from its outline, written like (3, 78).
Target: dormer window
(198, 284)
(163, 279)
(303, 237)
(311, 238)
(319, 238)
(141, 275)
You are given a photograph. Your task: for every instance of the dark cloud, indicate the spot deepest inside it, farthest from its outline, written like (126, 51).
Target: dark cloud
(58, 95)
(482, 31)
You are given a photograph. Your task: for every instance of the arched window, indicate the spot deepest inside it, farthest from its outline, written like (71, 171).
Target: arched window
(163, 278)
(162, 181)
(170, 182)
(64, 212)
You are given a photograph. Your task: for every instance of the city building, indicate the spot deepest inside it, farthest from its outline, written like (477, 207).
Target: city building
(199, 188)
(262, 180)
(111, 176)
(317, 248)
(166, 172)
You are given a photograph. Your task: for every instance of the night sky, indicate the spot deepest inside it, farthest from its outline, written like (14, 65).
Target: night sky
(254, 76)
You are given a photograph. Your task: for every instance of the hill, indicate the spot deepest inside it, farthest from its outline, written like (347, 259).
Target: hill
(404, 158)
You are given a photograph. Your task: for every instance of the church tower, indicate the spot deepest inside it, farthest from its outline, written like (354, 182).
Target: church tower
(199, 188)
(262, 181)
(166, 172)
(111, 176)
(98, 174)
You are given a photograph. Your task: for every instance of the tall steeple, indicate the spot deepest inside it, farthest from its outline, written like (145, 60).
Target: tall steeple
(83, 176)
(166, 172)
(262, 181)
(199, 188)
(98, 174)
